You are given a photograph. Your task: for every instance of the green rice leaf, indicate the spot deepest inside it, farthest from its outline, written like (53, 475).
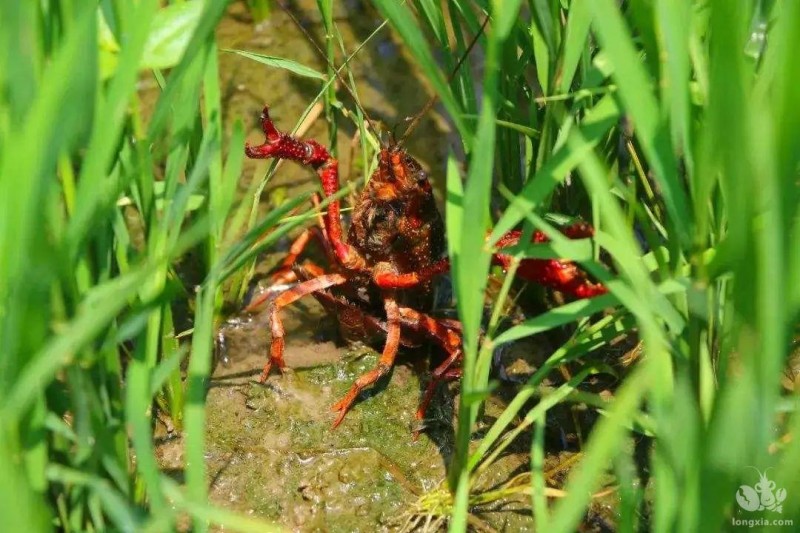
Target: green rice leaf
(281, 63)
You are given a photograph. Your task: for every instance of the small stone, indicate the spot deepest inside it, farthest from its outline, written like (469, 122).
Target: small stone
(347, 474)
(308, 493)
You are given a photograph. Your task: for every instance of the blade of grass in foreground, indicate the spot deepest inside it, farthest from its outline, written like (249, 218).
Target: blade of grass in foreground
(212, 12)
(636, 92)
(114, 503)
(106, 301)
(472, 262)
(31, 150)
(604, 443)
(93, 192)
(575, 35)
(194, 411)
(586, 341)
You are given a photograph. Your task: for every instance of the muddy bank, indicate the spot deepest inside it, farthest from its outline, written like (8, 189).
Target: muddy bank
(270, 448)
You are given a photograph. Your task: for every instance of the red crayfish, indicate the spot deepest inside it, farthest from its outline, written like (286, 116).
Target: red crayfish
(382, 270)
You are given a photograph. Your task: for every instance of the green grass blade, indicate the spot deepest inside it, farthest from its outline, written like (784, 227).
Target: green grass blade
(405, 25)
(603, 446)
(194, 411)
(169, 34)
(94, 191)
(281, 63)
(471, 265)
(213, 10)
(114, 503)
(576, 33)
(556, 317)
(636, 92)
(676, 71)
(103, 304)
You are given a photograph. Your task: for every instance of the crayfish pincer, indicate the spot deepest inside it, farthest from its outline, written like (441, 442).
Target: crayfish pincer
(379, 279)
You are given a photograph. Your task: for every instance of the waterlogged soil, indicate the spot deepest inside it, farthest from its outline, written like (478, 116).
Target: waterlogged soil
(271, 451)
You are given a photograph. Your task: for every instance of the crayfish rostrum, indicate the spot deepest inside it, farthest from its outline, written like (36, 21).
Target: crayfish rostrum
(379, 281)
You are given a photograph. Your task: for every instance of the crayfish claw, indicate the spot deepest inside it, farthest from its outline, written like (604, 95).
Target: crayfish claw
(268, 127)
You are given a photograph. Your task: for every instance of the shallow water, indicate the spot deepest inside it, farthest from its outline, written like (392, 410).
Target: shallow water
(270, 449)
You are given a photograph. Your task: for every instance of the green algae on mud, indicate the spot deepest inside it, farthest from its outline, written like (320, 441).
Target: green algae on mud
(272, 452)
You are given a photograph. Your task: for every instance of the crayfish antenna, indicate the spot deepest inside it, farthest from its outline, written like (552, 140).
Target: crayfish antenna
(287, 9)
(414, 122)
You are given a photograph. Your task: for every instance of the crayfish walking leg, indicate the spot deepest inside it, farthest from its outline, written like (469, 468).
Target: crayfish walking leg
(384, 364)
(286, 298)
(450, 341)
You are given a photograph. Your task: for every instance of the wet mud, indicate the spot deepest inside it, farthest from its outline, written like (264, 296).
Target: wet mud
(271, 451)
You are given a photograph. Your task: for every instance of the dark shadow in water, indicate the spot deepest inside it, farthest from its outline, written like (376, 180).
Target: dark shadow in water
(176, 474)
(438, 424)
(221, 470)
(229, 380)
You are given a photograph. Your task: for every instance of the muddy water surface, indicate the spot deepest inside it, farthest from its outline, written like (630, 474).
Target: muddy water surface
(270, 448)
